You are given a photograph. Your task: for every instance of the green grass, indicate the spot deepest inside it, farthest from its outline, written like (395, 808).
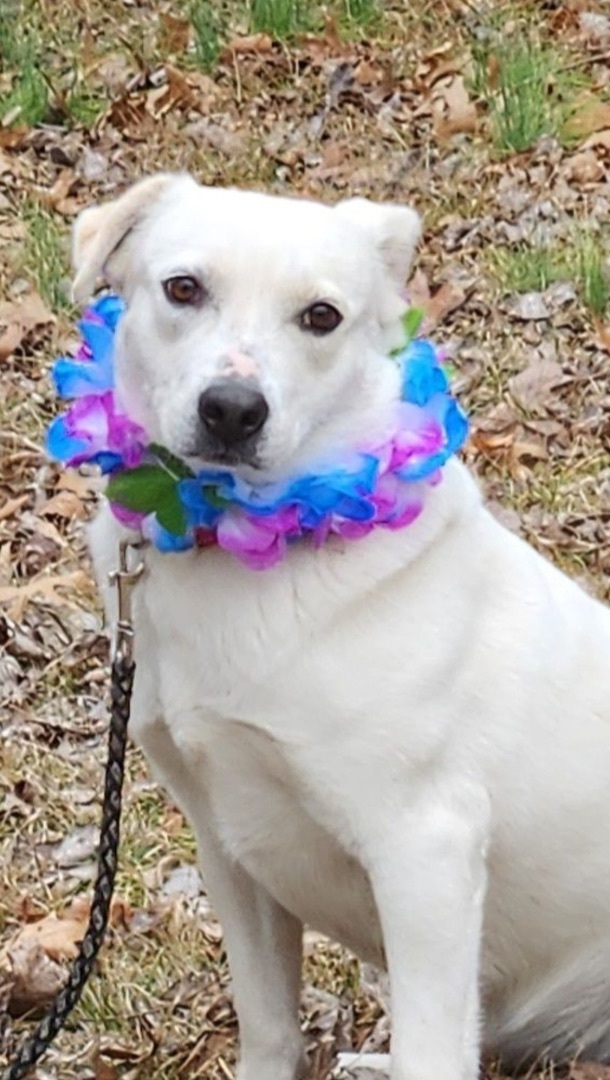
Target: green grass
(533, 267)
(593, 274)
(529, 268)
(279, 18)
(207, 31)
(525, 85)
(27, 101)
(45, 255)
(364, 13)
(84, 107)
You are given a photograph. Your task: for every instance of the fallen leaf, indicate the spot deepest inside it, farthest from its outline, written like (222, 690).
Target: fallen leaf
(590, 115)
(65, 504)
(452, 109)
(59, 938)
(104, 1070)
(532, 388)
(51, 589)
(176, 93)
(19, 318)
(11, 506)
(78, 845)
(175, 33)
(446, 299)
(588, 1070)
(602, 335)
(35, 979)
(584, 167)
(436, 306)
(249, 43)
(418, 290)
(528, 306)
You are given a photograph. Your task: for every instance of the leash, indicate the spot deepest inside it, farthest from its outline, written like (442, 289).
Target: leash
(123, 671)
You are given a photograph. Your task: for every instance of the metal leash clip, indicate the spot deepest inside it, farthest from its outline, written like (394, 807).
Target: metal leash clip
(125, 578)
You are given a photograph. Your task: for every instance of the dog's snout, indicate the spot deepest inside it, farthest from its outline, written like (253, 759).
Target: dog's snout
(232, 410)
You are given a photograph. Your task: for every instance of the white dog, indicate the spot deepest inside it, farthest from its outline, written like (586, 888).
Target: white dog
(402, 740)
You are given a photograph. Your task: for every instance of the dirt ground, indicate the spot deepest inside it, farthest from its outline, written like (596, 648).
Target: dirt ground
(493, 119)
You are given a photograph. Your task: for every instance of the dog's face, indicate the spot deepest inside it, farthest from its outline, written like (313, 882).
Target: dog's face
(256, 327)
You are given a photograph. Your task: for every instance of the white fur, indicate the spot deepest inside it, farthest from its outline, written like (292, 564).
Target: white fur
(403, 740)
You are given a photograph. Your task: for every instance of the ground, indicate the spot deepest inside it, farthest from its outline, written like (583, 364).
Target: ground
(493, 119)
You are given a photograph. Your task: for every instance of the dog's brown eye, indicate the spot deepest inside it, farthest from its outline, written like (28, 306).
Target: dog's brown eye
(183, 289)
(321, 318)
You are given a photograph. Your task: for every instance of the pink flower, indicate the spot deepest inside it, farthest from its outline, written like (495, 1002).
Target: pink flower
(258, 543)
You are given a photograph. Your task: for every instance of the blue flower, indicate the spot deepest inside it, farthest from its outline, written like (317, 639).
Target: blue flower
(422, 375)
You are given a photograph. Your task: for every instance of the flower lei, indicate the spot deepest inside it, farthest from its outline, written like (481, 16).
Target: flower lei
(176, 508)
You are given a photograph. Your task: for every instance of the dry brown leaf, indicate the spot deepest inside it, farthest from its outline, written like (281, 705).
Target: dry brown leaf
(65, 504)
(35, 979)
(584, 167)
(104, 1070)
(418, 290)
(446, 299)
(599, 140)
(176, 93)
(588, 1070)
(58, 937)
(602, 335)
(19, 318)
(250, 43)
(436, 306)
(11, 506)
(51, 589)
(452, 109)
(175, 33)
(591, 115)
(491, 442)
(532, 388)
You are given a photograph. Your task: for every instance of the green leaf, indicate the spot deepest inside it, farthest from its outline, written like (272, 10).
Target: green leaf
(411, 321)
(150, 489)
(173, 465)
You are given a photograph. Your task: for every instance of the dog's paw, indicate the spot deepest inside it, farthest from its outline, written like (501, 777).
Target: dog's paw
(362, 1067)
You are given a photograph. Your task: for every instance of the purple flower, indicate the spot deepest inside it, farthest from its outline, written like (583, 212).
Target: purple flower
(92, 431)
(257, 543)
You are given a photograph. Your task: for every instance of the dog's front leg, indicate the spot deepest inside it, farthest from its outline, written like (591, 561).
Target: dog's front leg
(428, 875)
(264, 946)
(263, 941)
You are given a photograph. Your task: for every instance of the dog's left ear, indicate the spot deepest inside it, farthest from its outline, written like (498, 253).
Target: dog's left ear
(395, 231)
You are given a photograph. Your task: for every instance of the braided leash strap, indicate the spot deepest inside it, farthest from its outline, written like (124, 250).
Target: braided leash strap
(123, 670)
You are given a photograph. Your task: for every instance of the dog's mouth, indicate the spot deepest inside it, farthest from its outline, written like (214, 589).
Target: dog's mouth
(240, 460)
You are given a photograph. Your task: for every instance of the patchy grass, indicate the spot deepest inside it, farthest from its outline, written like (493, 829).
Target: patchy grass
(593, 271)
(280, 18)
(525, 267)
(582, 260)
(526, 84)
(45, 255)
(205, 20)
(366, 14)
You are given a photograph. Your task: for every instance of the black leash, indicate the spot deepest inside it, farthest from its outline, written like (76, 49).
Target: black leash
(123, 671)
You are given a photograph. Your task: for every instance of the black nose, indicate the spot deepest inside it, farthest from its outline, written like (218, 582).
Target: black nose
(232, 410)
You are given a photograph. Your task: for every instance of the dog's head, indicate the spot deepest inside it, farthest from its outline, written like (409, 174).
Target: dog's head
(257, 328)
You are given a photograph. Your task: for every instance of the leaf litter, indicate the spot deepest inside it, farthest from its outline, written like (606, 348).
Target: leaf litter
(395, 113)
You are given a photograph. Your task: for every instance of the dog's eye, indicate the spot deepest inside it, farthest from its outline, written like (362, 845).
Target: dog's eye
(320, 318)
(183, 289)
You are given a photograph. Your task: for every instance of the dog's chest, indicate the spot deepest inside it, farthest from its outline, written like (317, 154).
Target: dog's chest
(248, 739)
(262, 816)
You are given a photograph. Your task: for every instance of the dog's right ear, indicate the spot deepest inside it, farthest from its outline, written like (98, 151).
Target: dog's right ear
(99, 230)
